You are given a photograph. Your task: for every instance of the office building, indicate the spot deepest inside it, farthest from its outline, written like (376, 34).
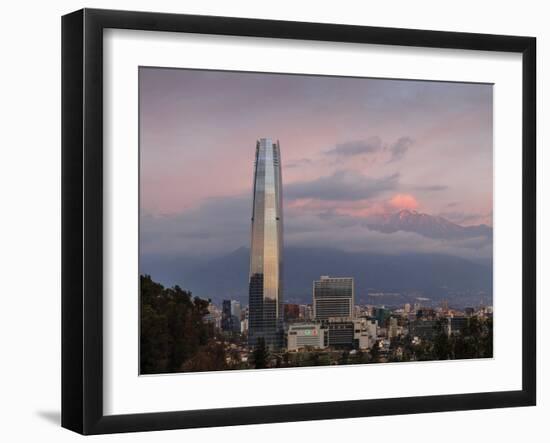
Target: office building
(333, 297)
(306, 312)
(348, 333)
(231, 316)
(426, 313)
(457, 324)
(424, 329)
(382, 315)
(341, 333)
(266, 260)
(392, 328)
(291, 311)
(214, 316)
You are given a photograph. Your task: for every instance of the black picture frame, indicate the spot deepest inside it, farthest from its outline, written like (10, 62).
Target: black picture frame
(82, 220)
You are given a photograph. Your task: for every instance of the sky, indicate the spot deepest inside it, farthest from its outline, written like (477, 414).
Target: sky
(351, 148)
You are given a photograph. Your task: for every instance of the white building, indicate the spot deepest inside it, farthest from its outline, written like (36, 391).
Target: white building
(392, 328)
(372, 329)
(306, 334)
(244, 326)
(361, 335)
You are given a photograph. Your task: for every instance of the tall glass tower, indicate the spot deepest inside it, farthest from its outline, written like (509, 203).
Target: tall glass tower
(266, 250)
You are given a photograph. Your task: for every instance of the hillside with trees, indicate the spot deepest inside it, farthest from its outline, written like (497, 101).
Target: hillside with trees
(173, 336)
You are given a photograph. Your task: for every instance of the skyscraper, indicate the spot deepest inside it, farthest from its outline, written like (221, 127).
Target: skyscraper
(231, 316)
(226, 315)
(333, 297)
(266, 261)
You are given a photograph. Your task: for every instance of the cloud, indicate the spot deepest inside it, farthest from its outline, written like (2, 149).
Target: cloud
(431, 188)
(329, 208)
(221, 225)
(404, 201)
(372, 145)
(357, 147)
(342, 185)
(217, 225)
(468, 218)
(399, 148)
(353, 234)
(355, 209)
(298, 163)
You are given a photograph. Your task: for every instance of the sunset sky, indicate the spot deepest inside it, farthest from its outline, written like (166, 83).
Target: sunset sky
(350, 148)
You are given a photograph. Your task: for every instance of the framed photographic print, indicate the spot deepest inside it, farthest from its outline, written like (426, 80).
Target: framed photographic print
(269, 221)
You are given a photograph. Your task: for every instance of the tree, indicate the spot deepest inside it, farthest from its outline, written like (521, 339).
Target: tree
(375, 351)
(313, 359)
(344, 358)
(211, 357)
(442, 346)
(360, 357)
(423, 351)
(286, 359)
(172, 330)
(475, 340)
(487, 340)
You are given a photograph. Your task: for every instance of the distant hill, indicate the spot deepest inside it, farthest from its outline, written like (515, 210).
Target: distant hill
(227, 276)
(427, 225)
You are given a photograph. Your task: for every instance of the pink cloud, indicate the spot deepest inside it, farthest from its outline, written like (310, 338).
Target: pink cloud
(356, 208)
(403, 201)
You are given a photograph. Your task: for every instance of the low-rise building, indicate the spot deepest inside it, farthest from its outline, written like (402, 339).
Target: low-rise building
(302, 335)
(346, 333)
(372, 329)
(457, 324)
(291, 311)
(341, 333)
(423, 329)
(392, 328)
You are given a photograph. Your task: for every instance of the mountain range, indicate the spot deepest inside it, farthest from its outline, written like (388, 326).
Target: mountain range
(432, 275)
(427, 225)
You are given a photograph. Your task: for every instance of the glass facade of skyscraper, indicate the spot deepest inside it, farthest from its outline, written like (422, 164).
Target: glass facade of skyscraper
(265, 283)
(333, 297)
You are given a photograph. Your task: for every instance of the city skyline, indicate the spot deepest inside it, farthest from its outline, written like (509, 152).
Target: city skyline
(366, 334)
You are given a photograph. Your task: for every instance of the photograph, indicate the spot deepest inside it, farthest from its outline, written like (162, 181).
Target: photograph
(291, 220)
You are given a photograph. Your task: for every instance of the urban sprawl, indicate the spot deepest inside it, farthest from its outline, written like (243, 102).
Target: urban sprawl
(334, 327)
